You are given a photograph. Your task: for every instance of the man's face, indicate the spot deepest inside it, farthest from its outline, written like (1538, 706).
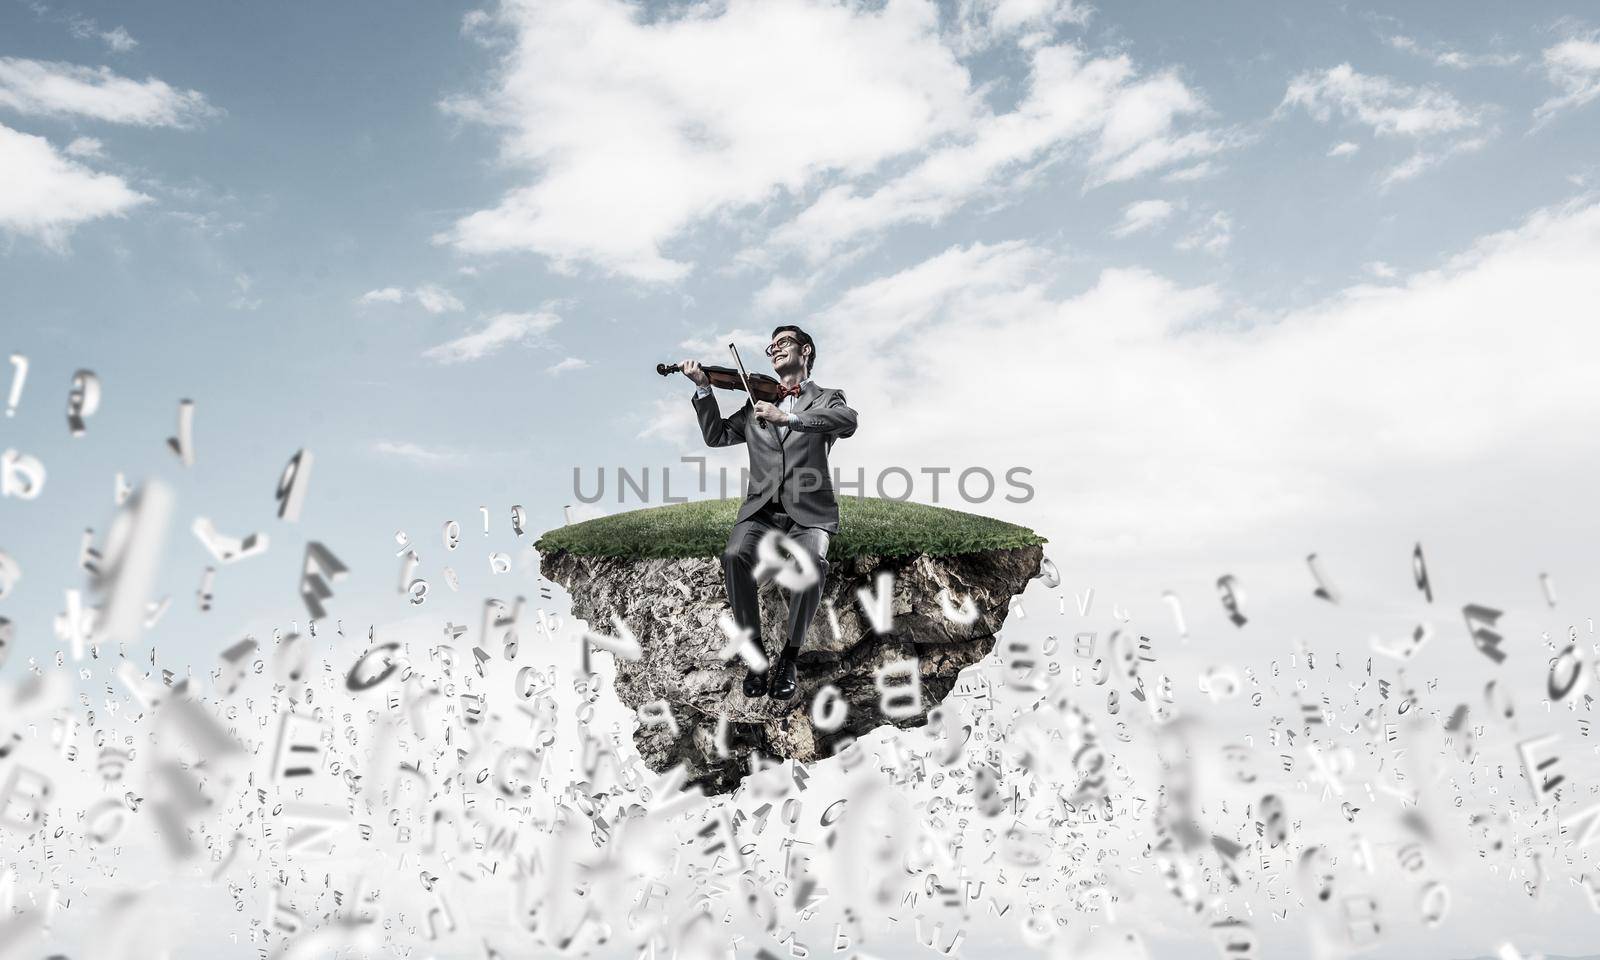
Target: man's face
(785, 352)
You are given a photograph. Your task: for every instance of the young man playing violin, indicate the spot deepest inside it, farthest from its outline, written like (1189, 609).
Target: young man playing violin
(791, 490)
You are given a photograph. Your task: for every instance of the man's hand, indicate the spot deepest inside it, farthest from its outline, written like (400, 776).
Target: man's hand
(770, 413)
(691, 369)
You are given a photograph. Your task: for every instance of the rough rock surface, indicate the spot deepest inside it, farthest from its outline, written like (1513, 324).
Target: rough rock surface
(672, 607)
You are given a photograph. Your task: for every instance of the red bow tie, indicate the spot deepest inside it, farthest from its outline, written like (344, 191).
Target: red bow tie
(784, 391)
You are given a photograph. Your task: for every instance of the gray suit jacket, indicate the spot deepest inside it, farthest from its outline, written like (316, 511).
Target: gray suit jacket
(788, 461)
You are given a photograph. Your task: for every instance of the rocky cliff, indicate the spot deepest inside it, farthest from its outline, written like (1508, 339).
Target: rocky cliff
(672, 605)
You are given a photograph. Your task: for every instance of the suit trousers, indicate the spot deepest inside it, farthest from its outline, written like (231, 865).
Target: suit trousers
(739, 562)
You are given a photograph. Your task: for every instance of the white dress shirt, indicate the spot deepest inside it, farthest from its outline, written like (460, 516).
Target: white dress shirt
(787, 404)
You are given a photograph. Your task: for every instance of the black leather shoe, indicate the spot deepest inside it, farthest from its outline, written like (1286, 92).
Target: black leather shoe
(784, 679)
(755, 684)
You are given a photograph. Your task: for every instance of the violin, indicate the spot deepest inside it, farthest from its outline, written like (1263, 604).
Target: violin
(762, 387)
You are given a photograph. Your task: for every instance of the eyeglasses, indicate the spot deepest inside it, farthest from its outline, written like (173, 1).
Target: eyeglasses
(781, 343)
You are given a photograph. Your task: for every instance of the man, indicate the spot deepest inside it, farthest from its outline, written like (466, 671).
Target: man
(790, 488)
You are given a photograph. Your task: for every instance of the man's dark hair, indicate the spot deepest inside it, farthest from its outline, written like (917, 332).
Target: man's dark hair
(804, 340)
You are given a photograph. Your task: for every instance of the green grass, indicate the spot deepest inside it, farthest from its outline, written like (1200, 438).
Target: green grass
(882, 528)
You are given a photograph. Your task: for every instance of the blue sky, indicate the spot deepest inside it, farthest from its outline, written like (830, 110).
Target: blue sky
(1235, 283)
(1225, 332)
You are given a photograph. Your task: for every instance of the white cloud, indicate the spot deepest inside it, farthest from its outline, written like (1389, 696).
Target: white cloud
(1169, 430)
(416, 453)
(436, 299)
(431, 297)
(85, 148)
(383, 295)
(47, 194)
(1410, 167)
(1424, 160)
(1390, 108)
(1574, 66)
(211, 223)
(1447, 56)
(714, 348)
(781, 294)
(119, 39)
(1211, 236)
(566, 365)
(982, 24)
(1142, 215)
(579, 512)
(1381, 270)
(44, 88)
(501, 330)
(635, 128)
(638, 129)
(1190, 174)
(243, 282)
(1120, 125)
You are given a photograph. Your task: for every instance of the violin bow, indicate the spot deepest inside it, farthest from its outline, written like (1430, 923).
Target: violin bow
(743, 378)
